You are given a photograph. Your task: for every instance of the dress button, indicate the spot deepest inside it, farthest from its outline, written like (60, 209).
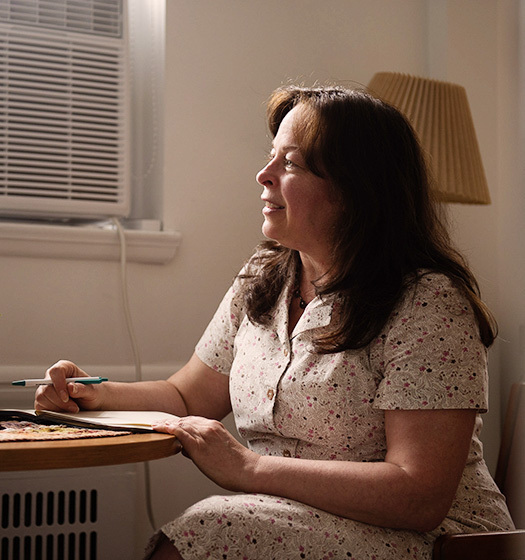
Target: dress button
(270, 394)
(286, 453)
(285, 352)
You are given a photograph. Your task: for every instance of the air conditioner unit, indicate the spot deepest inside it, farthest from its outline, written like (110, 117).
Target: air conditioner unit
(64, 100)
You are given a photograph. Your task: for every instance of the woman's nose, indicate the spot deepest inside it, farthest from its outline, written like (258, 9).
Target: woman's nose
(264, 177)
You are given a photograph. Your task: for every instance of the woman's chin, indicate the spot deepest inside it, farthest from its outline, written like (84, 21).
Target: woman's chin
(269, 232)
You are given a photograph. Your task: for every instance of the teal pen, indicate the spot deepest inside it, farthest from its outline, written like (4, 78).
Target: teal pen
(36, 382)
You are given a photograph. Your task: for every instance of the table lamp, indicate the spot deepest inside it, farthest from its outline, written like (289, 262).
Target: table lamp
(440, 114)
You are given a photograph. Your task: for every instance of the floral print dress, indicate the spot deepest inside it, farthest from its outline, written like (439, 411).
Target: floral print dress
(289, 401)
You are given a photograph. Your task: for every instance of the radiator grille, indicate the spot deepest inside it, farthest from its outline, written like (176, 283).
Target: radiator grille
(81, 546)
(55, 514)
(49, 508)
(67, 515)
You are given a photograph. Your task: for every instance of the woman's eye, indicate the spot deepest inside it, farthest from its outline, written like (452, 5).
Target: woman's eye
(286, 163)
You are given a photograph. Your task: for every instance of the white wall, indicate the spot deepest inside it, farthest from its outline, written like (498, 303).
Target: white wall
(511, 193)
(223, 59)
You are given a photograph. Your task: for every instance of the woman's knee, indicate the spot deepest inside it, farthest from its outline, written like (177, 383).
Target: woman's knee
(165, 550)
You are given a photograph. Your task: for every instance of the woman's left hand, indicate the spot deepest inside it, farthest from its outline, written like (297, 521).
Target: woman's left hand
(214, 450)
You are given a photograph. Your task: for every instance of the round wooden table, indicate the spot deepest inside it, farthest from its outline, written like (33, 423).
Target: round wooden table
(93, 452)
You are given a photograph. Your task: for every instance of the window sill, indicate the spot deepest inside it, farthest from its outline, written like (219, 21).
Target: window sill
(86, 242)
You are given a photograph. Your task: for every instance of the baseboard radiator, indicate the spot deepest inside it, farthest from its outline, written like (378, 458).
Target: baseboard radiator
(74, 514)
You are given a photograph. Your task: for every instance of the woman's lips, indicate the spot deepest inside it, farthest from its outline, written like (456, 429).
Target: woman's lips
(272, 206)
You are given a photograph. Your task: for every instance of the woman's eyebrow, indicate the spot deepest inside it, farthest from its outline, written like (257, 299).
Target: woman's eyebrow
(288, 148)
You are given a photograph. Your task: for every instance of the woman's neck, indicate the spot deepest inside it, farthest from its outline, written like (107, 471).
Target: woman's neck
(309, 271)
(313, 269)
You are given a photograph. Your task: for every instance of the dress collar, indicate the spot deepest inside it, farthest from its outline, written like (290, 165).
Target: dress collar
(318, 313)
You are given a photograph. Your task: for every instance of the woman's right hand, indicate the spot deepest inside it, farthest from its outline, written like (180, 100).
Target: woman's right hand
(70, 397)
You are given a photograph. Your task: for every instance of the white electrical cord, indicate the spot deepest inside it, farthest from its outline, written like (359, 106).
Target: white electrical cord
(125, 300)
(136, 354)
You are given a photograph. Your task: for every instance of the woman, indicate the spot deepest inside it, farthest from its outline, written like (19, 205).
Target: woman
(352, 350)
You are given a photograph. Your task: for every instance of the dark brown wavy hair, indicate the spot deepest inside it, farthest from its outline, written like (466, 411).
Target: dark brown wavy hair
(389, 229)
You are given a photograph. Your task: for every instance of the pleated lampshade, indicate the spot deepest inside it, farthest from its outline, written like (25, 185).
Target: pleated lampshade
(440, 114)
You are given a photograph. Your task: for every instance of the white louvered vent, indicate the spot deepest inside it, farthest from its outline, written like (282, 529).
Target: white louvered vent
(63, 109)
(74, 513)
(77, 514)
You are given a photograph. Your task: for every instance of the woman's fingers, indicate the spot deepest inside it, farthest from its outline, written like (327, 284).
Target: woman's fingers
(195, 431)
(46, 398)
(63, 395)
(212, 448)
(59, 372)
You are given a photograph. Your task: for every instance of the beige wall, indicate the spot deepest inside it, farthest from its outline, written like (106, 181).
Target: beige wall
(223, 59)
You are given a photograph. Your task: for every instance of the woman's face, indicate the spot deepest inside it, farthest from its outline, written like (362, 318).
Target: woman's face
(300, 208)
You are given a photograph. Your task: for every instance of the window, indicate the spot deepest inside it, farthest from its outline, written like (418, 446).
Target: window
(80, 132)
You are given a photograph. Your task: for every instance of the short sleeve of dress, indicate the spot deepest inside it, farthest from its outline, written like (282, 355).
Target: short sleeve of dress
(216, 346)
(430, 353)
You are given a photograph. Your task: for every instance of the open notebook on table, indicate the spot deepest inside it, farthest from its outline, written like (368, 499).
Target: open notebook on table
(130, 420)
